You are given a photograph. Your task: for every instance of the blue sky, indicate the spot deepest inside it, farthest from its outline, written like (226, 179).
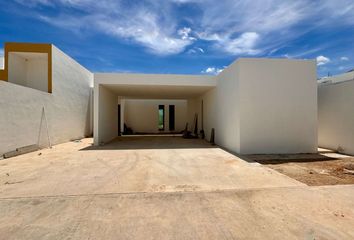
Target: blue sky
(185, 36)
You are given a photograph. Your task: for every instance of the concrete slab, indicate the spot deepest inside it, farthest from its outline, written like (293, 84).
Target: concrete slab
(273, 213)
(162, 188)
(135, 164)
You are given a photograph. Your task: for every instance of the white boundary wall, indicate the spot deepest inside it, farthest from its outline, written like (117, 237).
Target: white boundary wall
(336, 113)
(67, 108)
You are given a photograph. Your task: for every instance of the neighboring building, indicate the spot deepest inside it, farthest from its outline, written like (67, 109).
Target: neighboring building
(336, 113)
(254, 105)
(37, 77)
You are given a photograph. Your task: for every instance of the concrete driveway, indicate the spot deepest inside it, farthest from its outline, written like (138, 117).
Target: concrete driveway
(162, 188)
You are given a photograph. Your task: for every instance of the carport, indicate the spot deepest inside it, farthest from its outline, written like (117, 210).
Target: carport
(111, 90)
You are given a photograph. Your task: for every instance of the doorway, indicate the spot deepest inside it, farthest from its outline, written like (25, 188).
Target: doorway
(119, 125)
(171, 117)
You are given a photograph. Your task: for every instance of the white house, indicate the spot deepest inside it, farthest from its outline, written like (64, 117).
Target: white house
(254, 105)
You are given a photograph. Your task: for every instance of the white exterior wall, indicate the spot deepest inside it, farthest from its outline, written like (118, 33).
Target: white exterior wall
(193, 107)
(122, 115)
(67, 109)
(336, 115)
(107, 120)
(72, 84)
(278, 106)
(210, 113)
(263, 106)
(142, 114)
(227, 130)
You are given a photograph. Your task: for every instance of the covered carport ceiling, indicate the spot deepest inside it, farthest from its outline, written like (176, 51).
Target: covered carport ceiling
(155, 86)
(157, 92)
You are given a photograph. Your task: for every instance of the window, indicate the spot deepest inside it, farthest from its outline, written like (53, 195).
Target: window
(161, 117)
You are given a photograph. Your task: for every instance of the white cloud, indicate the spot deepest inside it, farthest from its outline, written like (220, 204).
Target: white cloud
(185, 33)
(195, 50)
(233, 26)
(212, 70)
(244, 44)
(322, 60)
(1, 52)
(145, 30)
(200, 49)
(277, 21)
(344, 59)
(187, 1)
(149, 24)
(33, 2)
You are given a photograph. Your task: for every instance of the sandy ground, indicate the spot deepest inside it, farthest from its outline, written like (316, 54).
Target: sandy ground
(162, 188)
(132, 164)
(324, 168)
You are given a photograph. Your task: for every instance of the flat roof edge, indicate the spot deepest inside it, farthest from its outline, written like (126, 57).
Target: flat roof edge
(157, 74)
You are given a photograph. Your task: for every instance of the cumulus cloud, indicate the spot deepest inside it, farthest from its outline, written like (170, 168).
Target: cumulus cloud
(1, 52)
(212, 70)
(344, 59)
(322, 60)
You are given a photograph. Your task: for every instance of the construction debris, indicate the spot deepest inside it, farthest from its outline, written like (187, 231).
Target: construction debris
(21, 150)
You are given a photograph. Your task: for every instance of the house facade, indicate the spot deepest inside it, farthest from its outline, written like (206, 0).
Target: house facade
(253, 106)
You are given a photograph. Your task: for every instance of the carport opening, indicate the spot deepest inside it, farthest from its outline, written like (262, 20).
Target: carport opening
(148, 110)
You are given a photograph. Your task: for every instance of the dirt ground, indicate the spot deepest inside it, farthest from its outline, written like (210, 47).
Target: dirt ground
(324, 168)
